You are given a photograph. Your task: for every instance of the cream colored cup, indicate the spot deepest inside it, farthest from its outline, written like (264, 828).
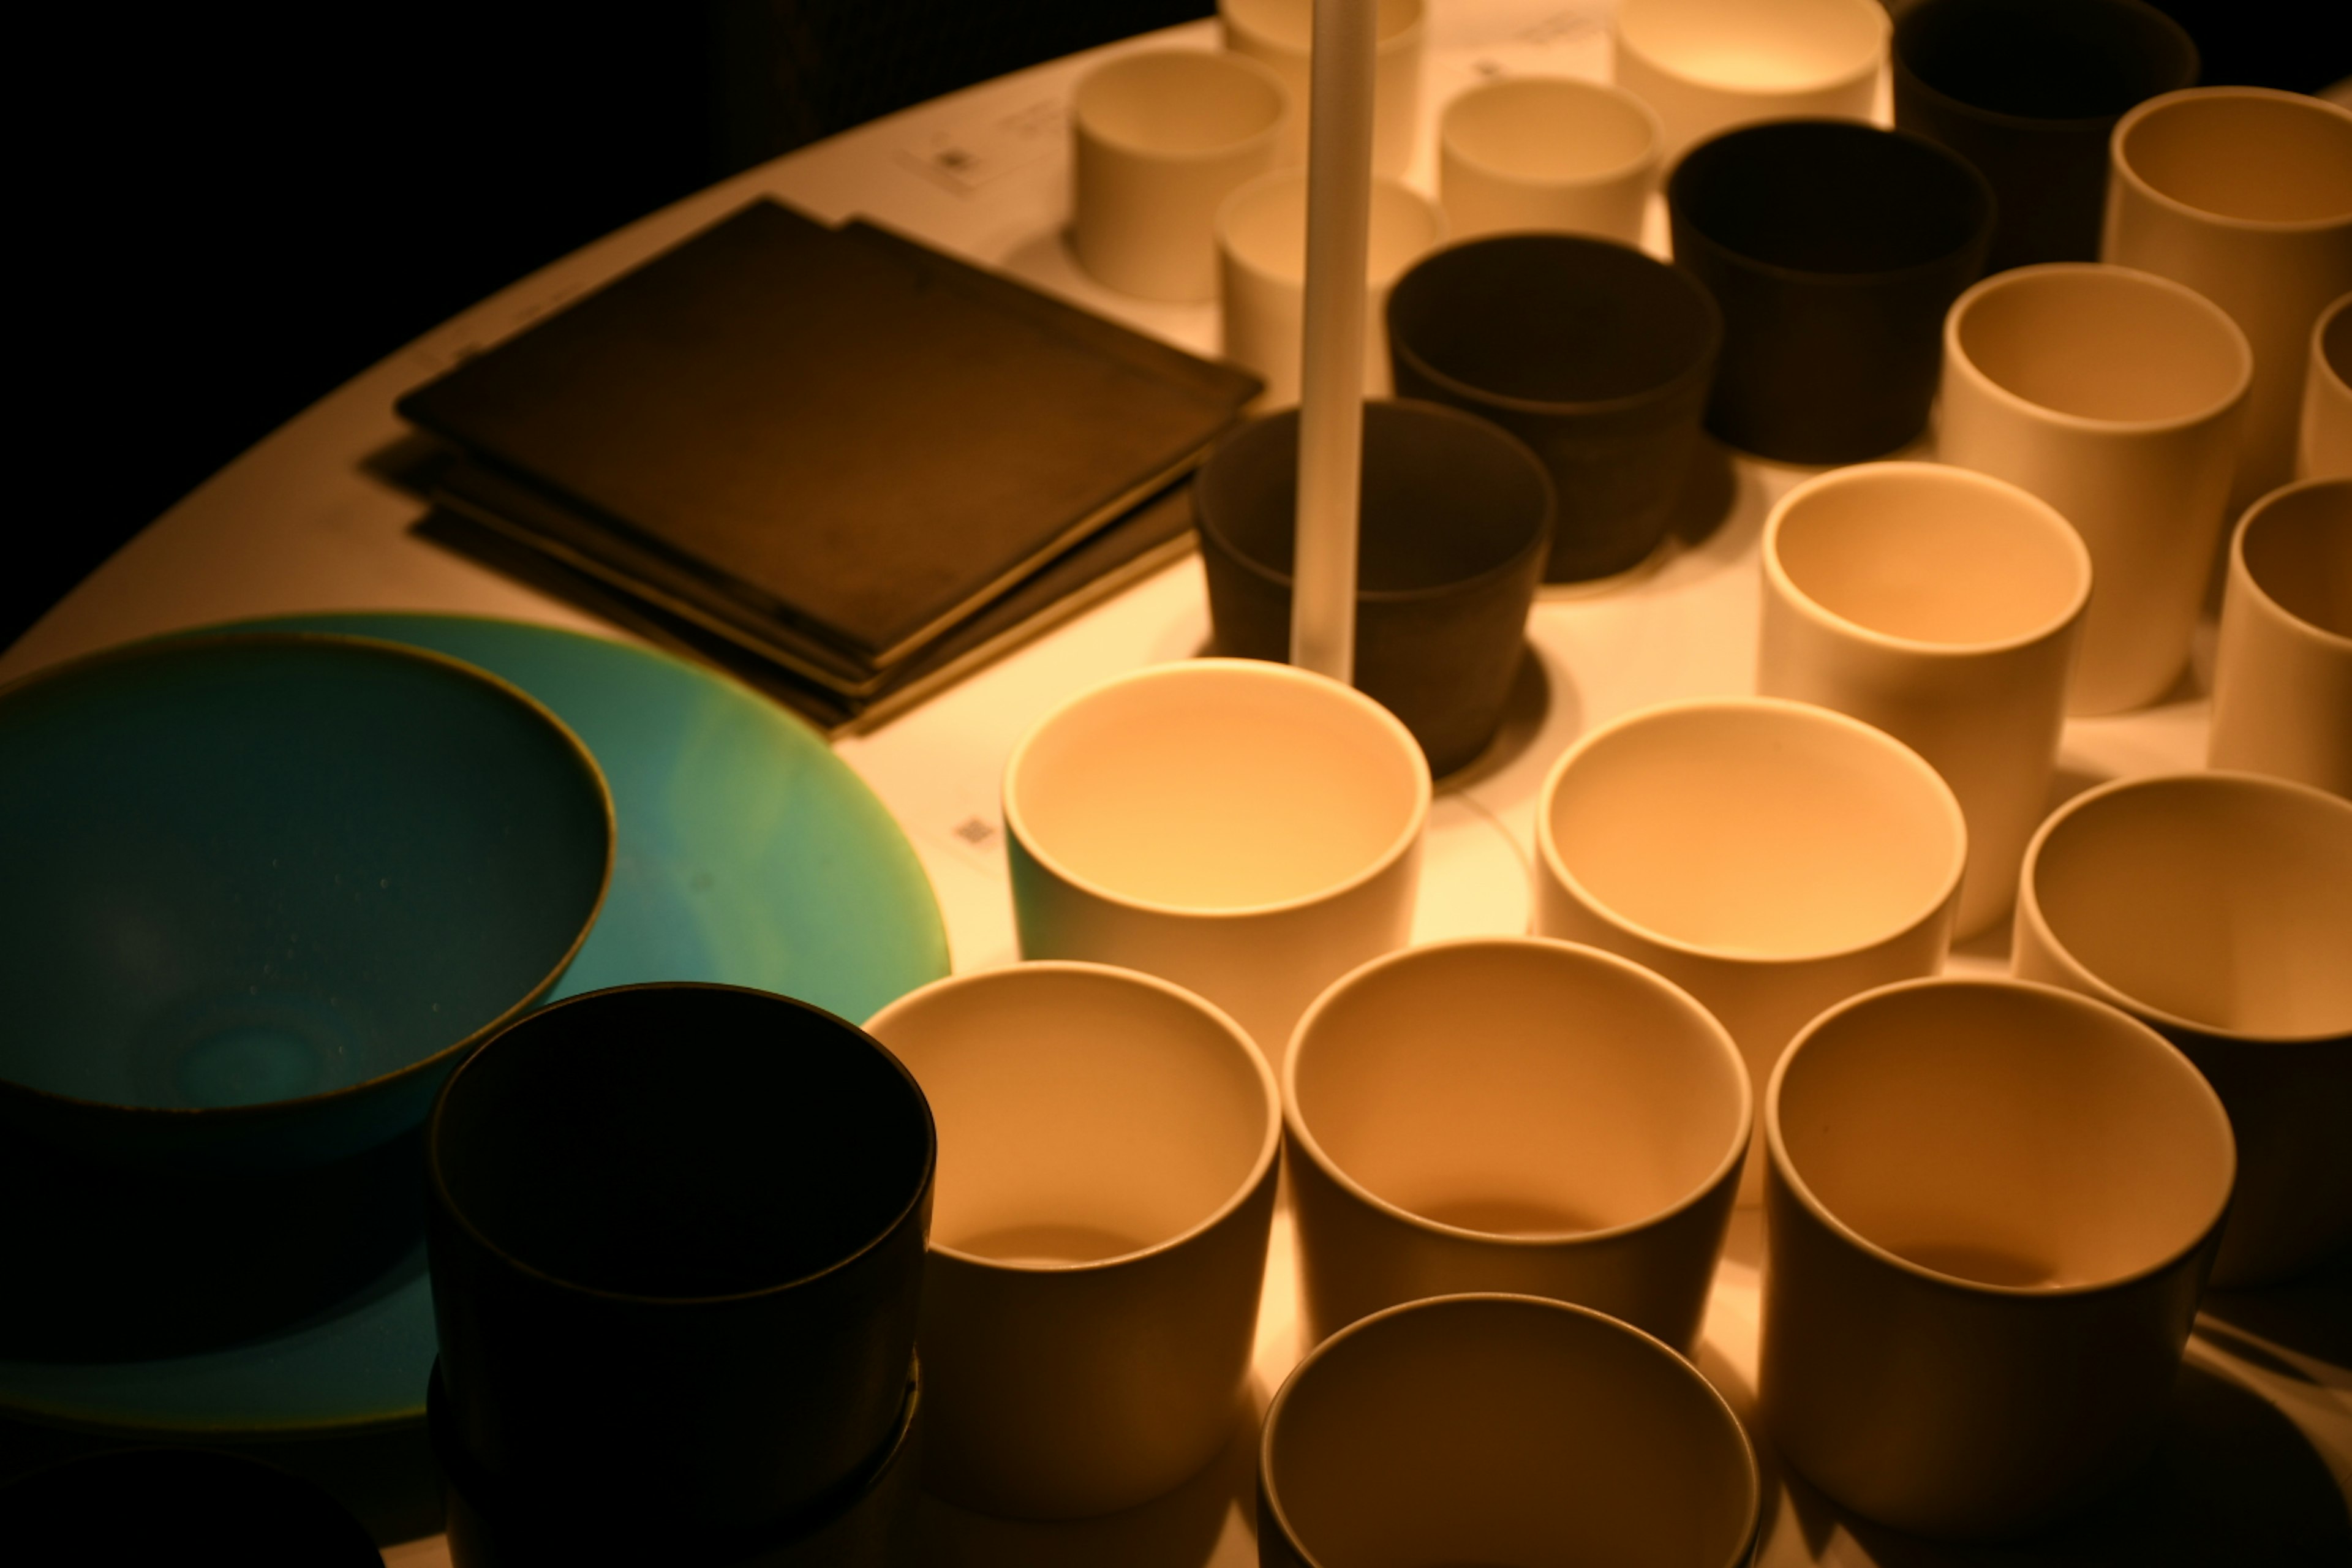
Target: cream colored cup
(1512, 1113)
(1708, 65)
(1769, 857)
(1262, 275)
(1495, 1429)
(1942, 606)
(2283, 676)
(2217, 907)
(2245, 194)
(2323, 445)
(1099, 1234)
(1991, 1208)
(1279, 34)
(1248, 830)
(1159, 140)
(2118, 398)
(1548, 153)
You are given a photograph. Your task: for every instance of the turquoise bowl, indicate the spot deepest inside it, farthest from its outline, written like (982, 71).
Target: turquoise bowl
(264, 891)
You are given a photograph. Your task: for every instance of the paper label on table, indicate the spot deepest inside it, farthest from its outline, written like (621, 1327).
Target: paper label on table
(965, 157)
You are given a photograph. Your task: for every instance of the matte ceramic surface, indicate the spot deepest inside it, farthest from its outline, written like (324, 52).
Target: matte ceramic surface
(1107, 1179)
(1834, 250)
(1595, 355)
(1769, 857)
(1160, 140)
(746, 854)
(1248, 830)
(1991, 1208)
(2324, 444)
(2119, 398)
(1515, 1114)
(1942, 606)
(1502, 1429)
(1280, 34)
(2244, 194)
(1548, 153)
(1262, 275)
(173, 1505)
(266, 890)
(2283, 673)
(1708, 65)
(2028, 90)
(1456, 522)
(676, 1237)
(2217, 907)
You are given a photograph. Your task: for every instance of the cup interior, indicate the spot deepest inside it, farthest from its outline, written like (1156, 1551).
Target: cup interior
(2004, 1134)
(1757, 46)
(1550, 131)
(1758, 830)
(2261, 157)
(1518, 1088)
(1552, 319)
(1822, 197)
(1176, 103)
(2102, 343)
(1084, 1113)
(2222, 900)
(1931, 554)
(2297, 546)
(1264, 227)
(680, 1141)
(1485, 1429)
(1217, 785)
(2089, 59)
(1289, 24)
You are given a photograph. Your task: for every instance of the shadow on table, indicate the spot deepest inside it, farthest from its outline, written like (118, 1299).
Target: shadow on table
(2312, 1315)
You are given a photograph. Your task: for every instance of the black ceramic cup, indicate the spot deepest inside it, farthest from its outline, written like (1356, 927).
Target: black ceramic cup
(1596, 356)
(2029, 90)
(676, 1240)
(1456, 519)
(1834, 249)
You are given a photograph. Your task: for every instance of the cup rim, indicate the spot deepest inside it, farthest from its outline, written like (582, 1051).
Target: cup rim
(2123, 174)
(1405, 37)
(1250, 669)
(2242, 570)
(1294, 1120)
(1961, 364)
(1776, 572)
(1270, 1144)
(2030, 916)
(1686, 1369)
(1849, 78)
(1651, 153)
(2319, 345)
(1227, 251)
(1785, 1167)
(916, 1202)
(1085, 131)
(1555, 866)
(1902, 71)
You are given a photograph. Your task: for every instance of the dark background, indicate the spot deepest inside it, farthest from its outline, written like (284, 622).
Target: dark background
(231, 210)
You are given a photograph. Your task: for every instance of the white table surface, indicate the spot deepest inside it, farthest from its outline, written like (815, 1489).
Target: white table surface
(312, 518)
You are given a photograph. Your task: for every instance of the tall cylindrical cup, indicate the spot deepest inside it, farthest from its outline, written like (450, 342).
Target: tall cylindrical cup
(1707, 66)
(1548, 153)
(2283, 673)
(1278, 34)
(2323, 445)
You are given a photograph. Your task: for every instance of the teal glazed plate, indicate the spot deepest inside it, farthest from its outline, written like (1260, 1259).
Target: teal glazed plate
(747, 854)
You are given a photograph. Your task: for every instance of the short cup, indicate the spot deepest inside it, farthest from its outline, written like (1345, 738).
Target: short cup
(1245, 829)
(1708, 65)
(1106, 1181)
(1279, 34)
(1515, 1114)
(2324, 444)
(1548, 153)
(1990, 1211)
(1502, 1429)
(1456, 522)
(2216, 908)
(1769, 857)
(2283, 675)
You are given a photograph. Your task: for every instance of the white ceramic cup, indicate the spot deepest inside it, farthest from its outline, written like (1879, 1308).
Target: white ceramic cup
(1159, 140)
(1248, 830)
(2217, 907)
(1942, 606)
(1708, 65)
(1548, 153)
(1492, 1430)
(1262, 275)
(1279, 34)
(1769, 857)
(2322, 447)
(2117, 397)
(2283, 674)
(1098, 1232)
(1991, 1206)
(1515, 1114)
(2245, 194)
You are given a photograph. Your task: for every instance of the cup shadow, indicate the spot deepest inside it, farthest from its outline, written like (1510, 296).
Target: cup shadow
(2312, 1314)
